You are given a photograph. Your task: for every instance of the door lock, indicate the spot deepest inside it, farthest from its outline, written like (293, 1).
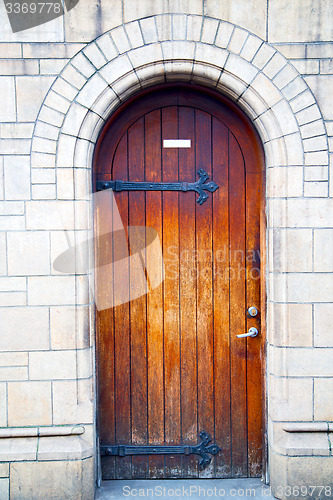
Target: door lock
(252, 311)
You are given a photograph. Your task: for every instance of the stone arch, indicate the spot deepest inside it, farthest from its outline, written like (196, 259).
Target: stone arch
(216, 54)
(188, 48)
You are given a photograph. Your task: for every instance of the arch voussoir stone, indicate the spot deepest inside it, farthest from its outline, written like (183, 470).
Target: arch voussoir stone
(211, 52)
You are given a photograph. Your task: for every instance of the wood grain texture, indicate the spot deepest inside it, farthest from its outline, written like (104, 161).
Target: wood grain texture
(122, 348)
(188, 295)
(171, 294)
(204, 247)
(253, 275)
(237, 227)
(138, 312)
(220, 135)
(155, 330)
(105, 334)
(170, 364)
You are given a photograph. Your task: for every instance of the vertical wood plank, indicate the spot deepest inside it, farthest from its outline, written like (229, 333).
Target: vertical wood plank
(188, 282)
(171, 293)
(153, 170)
(105, 333)
(138, 317)
(204, 252)
(237, 308)
(122, 320)
(254, 385)
(221, 300)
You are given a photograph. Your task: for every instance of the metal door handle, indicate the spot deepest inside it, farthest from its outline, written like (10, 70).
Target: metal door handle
(253, 332)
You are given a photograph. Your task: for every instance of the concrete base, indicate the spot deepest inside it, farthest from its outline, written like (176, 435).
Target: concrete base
(72, 480)
(46, 466)
(196, 489)
(301, 477)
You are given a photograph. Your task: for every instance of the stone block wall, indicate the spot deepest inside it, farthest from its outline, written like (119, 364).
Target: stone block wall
(57, 87)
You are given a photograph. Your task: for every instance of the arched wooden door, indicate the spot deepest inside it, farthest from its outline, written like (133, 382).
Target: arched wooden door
(170, 363)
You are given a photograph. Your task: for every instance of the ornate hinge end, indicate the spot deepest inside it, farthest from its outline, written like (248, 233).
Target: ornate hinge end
(204, 450)
(200, 187)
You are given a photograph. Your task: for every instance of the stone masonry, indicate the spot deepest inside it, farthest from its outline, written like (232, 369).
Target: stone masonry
(59, 83)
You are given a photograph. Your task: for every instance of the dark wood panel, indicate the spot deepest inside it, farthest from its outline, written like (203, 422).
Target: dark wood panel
(237, 225)
(103, 216)
(205, 350)
(253, 269)
(171, 293)
(122, 347)
(155, 333)
(188, 304)
(138, 317)
(221, 299)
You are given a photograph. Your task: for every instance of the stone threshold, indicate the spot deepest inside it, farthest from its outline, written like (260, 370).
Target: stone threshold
(195, 489)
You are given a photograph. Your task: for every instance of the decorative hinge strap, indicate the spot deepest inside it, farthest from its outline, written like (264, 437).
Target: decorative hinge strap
(204, 449)
(200, 186)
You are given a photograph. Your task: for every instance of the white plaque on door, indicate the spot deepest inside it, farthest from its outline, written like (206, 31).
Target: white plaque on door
(176, 143)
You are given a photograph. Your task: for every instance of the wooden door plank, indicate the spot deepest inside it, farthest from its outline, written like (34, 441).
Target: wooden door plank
(105, 333)
(153, 173)
(138, 318)
(237, 308)
(188, 282)
(254, 382)
(122, 322)
(221, 300)
(204, 249)
(171, 293)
